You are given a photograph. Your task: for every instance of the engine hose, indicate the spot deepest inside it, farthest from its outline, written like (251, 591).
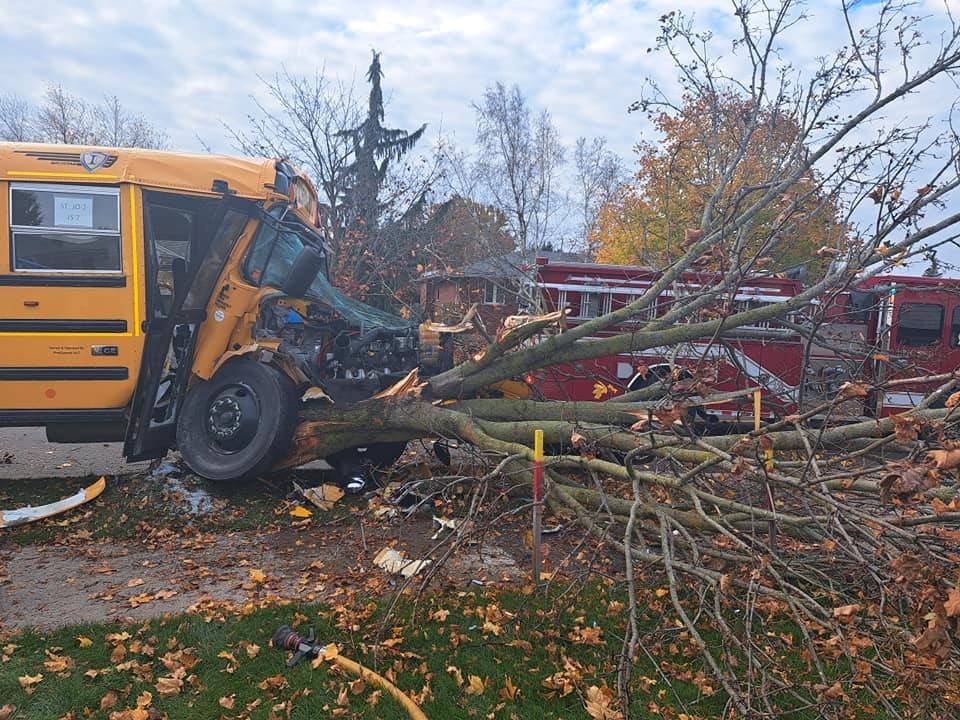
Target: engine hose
(285, 638)
(370, 676)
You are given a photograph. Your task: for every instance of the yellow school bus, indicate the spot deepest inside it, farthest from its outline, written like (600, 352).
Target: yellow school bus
(175, 300)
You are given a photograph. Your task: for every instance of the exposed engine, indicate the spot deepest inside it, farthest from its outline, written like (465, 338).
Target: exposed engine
(349, 364)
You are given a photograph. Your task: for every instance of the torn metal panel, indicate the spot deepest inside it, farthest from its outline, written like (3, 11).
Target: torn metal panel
(29, 514)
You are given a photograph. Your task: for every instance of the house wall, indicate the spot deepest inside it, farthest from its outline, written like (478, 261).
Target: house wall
(447, 300)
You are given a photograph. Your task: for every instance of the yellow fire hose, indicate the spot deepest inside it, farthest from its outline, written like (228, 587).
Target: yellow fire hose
(285, 638)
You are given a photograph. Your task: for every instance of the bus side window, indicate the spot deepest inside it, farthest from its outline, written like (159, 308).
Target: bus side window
(171, 224)
(920, 324)
(65, 228)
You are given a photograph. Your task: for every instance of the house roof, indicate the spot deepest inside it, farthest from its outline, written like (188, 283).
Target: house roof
(511, 265)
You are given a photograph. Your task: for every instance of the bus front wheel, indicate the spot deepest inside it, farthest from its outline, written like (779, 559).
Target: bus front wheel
(239, 422)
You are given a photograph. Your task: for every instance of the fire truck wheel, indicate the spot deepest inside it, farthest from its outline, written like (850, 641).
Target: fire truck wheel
(239, 422)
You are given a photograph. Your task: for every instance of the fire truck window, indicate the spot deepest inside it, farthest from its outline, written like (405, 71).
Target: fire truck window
(920, 324)
(589, 305)
(955, 328)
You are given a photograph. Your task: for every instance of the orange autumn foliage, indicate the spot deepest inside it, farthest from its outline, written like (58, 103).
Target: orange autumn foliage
(644, 223)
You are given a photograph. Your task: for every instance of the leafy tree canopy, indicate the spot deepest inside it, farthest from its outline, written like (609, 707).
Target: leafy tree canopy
(462, 231)
(708, 139)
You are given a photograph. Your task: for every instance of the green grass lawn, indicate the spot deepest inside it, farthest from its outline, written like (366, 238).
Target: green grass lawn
(488, 653)
(480, 651)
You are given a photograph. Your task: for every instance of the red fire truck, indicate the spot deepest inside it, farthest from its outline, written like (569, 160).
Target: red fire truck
(872, 334)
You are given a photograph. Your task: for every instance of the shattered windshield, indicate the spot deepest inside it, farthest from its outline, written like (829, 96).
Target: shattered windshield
(275, 249)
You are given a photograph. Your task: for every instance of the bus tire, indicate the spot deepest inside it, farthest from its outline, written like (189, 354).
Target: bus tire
(235, 425)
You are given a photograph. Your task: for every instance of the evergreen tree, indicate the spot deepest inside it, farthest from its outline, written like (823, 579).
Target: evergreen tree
(374, 146)
(370, 242)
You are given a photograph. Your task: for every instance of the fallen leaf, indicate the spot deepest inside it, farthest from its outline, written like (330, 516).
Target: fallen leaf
(58, 663)
(846, 610)
(169, 685)
(725, 582)
(945, 459)
(598, 703)
(118, 654)
(834, 691)
(299, 511)
(599, 390)
(257, 575)
(491, 627)
(227, 702)
(852, 390)
(906, 429)
(475, 686)
(6, 711)
(934, 641)
(26, 681)
(457, 675)
(509, 691)
(906, 481)
(108, 700)
(939, 506)
(952, 604)
(84, 641)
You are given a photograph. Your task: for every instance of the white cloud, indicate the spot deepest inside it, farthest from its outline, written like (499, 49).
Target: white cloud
(190, 66)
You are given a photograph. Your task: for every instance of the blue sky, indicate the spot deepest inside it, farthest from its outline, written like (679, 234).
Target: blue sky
(190, 66)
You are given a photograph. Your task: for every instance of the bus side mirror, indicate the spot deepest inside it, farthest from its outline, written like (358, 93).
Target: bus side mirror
(305, 268)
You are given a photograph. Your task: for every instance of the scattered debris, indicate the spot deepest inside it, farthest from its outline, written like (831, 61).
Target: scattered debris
(445, 524)
(190, 494)
(386, 512)
(6, 457)
(22, 516)
(324, 496)
(164, 469)
(314, 393)
(397, 562)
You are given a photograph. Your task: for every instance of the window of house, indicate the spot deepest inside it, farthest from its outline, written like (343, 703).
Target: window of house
(919, 324)
(493, 294)
(65, 228)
